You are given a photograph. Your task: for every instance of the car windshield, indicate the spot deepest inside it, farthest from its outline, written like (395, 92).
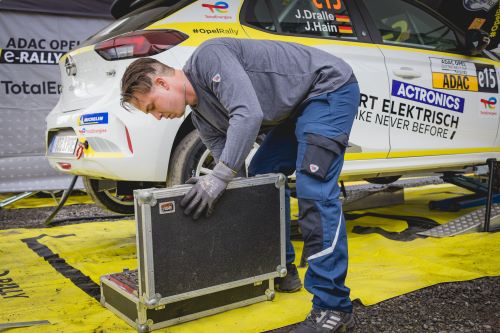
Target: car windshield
(138, 19)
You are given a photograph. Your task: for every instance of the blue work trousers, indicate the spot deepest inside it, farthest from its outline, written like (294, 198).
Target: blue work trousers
(313, 144)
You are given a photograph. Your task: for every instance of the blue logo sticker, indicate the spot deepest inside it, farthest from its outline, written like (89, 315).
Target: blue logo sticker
(427, 96)
(94, 119)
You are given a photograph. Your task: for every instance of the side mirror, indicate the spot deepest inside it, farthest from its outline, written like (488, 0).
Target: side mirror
(476, 41)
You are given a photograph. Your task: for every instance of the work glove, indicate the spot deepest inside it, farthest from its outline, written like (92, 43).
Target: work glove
(206, 191)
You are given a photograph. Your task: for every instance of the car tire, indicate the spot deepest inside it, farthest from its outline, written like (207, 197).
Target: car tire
(383, 180)
(190, 158)
(107, 199)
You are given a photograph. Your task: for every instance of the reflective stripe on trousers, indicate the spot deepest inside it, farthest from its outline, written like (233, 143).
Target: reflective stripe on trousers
(313, 145)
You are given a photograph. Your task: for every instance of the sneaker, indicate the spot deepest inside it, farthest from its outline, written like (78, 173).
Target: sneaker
(326, 321)
(289, 283)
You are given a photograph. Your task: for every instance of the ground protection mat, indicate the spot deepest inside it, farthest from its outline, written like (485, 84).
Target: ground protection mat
(34, 202)
(52, 274)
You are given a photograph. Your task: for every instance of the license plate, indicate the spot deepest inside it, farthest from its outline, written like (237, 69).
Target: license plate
(63, 145)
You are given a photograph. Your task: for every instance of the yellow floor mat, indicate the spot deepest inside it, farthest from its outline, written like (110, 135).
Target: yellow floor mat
(380, 268)
(34, 202)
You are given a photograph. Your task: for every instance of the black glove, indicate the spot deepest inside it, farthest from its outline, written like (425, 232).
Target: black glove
(206, 191)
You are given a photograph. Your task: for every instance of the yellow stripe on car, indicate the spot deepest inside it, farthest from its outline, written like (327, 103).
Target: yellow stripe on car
(417, 153)
(365, 156)
(90, 152)
(77, 51)
(434, 152)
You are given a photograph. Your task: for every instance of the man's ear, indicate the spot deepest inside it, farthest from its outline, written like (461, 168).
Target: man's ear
(162, 82)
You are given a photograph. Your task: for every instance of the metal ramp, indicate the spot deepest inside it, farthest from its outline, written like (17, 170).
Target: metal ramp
(471, 222)
(366, 196)
(373, 198)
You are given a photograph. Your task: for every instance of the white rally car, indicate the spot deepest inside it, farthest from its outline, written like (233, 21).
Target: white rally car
(428, 103)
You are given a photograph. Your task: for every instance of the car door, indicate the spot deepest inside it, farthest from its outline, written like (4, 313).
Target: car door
(337, 29)
(442, 101)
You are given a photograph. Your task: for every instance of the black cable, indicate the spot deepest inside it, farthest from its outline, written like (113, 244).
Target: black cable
(65, 197)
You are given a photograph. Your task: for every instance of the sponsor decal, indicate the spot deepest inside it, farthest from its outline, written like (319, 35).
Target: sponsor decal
(427, 96)
(487, 78)
(496, 23)
(229, 31)
(489, 103)
(167, 207)
(31, 51)
(313, 167)
(343, 18)
(322, 15)
(216, 78)
(454, 82)
(30, 57)
(323, 20)
(85, 130)
(408, 116)
(330, 4)
(345, 29)
(28, 88)
(93, 119)
(219, 7)
(318, 26)
(327, 27)
(41, 44)
(477, 23)
(463, 75)
(8, 288)
(474, 5)
(489, 106)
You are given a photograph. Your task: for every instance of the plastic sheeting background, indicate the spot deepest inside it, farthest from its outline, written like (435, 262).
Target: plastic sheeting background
(30, 47)
(89, 8)
(34, 202)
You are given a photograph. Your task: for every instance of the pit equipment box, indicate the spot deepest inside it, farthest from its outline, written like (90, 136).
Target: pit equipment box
(188, 269)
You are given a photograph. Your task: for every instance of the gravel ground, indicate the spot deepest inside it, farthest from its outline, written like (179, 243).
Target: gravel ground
(35, 217)
(470, 306)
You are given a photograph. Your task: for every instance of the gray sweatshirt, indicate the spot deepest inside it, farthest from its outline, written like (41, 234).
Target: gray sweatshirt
(247, 86)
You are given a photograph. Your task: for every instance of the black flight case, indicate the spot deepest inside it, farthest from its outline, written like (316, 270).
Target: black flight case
(189, 269)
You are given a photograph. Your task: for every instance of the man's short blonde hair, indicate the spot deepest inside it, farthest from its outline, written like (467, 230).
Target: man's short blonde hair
(138, 78)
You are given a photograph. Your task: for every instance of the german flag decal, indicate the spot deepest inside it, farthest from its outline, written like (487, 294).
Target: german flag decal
(343, 29)
(342, 18)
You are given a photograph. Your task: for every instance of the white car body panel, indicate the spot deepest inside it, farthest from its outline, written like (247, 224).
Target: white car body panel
(375, 150)
(366, 66)
(476, 129)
